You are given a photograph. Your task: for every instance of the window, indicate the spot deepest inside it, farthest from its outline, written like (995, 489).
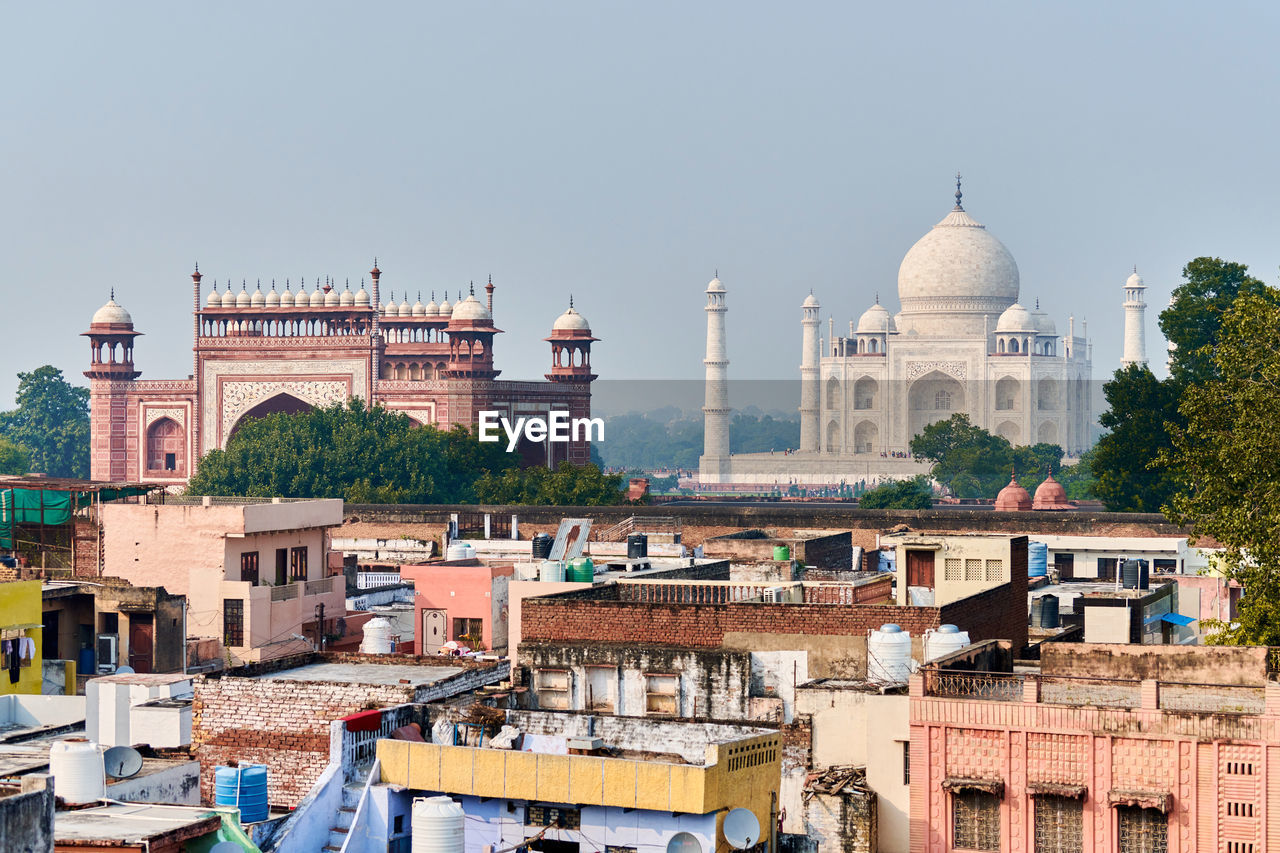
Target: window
(282, 566)
(1059, 825)
(1142, 830)
(973, 570)
(1239, 809)
(975, 820)
(952, 569)
(554, 816)
(249, 567)
(662, 695)
(171, 462)
(552, 686)
(232, 622)
(397, 824)
(469, 631)
(298, 563)
(942, 401)
(906, 761)
(995, 570)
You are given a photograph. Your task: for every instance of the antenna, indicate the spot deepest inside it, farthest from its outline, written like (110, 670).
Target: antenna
(684, 842)
(741, 829)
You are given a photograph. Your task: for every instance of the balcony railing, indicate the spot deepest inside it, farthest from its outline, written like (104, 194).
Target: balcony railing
(290, 591)
(284, 593)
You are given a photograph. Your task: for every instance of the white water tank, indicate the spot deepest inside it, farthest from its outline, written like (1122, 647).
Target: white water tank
(460, 551)
(944, 641)
(439, 826)
(78, 773)
(377, 637)
(552, 571)
(889, 655)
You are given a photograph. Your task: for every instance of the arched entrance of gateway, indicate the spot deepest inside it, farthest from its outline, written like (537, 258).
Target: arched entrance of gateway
(282, 403)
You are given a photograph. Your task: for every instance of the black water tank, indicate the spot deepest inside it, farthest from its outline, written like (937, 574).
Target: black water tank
(542, 543)
(1135, 574)
(637, 546)
(1044, 613)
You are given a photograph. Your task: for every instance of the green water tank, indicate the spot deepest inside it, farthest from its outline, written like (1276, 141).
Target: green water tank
(781, 552)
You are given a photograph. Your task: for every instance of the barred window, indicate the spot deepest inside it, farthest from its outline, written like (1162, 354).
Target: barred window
(233, 622)
(973, 570)
(995, 570)
(1059, 825)
(249, 567)
(975, 820)
(554, 816)
(1143, 830)
(298, 564)
(952, 569)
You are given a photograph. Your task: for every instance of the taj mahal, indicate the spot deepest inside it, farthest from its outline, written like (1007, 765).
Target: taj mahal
(960, 342)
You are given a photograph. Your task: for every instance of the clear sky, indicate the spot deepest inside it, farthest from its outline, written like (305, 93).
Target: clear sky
(621, 153)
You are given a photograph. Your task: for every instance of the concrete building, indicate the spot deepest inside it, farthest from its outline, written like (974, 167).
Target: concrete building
(264, 352)
(1118, 748)
(110, 623)
(937, 570)
(960, 343)
(21, 638)
(460, 600)
(26, 815)
(254, 574)
(593, 784)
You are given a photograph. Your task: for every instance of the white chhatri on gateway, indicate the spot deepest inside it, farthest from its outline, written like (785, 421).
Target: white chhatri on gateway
(960, 343)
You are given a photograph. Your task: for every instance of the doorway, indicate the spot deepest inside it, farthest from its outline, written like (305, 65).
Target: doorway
(920, 568)
(433, 631)
(141, 642)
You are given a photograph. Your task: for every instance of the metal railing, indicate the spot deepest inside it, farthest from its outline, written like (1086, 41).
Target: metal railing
(636, 524)
(360, 748)
(989, 686)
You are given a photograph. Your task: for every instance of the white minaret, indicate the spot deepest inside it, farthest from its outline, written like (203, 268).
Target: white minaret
(1171, 349)
(1135, 309)
(713, 467)
(810, 389)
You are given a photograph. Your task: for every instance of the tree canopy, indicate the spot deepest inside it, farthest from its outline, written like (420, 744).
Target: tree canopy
(1227, 452)
(1193, 321)
(914, 493)
(970, 462)
(567, 485)
(14, 458)
(1141, 411)
(51, 422)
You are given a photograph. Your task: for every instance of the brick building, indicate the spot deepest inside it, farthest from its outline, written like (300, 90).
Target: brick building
(280, 713)
(260, 353)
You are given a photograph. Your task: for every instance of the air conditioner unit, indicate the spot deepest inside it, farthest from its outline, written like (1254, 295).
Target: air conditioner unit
(775, 594)
(108, 653)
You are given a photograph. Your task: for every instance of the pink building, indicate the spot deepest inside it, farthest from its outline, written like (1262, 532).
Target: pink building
(282, 350)
(255, 575)
(1109, 748)
(461, 600)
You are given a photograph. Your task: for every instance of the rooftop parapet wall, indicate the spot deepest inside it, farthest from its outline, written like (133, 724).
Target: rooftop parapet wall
(1230, 665)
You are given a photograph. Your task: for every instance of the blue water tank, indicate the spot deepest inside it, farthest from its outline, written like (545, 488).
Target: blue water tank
(84, 663)
(1037, 559)
(244, 787)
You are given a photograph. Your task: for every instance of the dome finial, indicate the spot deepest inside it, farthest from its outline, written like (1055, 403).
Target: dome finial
(1037, 303)
(877, 297)
(959, 195)
(113, 294)
(473, 287)
(1135, 269)
(570, 300)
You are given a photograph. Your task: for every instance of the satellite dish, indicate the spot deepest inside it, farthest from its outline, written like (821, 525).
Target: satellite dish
(741, 829)
(226, 847)
(124, 670)
(683, 842)
(122, 761)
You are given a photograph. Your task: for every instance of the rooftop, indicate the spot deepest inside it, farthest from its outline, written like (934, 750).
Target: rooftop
(132, 823)
(390, 674)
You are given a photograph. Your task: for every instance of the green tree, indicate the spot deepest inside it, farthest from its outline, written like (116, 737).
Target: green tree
(1227, 451)
(899, 494)
(52, 422)
(1193, 320)
(14, 458)
(567, 485)
(1141, 411)
(362, 454)
(1078, 479)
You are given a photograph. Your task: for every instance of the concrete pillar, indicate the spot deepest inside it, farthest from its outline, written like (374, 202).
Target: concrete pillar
(1150, 695)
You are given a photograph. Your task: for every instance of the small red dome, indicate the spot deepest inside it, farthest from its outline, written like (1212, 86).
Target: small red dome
(1013, 498)
(1050, 495)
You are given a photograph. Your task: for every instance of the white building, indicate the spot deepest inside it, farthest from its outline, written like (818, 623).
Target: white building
(961, 342)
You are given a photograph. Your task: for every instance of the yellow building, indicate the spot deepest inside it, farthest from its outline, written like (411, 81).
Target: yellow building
(21, 637)
(642, 797)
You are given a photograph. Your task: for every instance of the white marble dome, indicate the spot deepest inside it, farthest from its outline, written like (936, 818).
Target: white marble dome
(347, 298)
(333, 297)
(957, 266)
(571, 321)
(286, 298)
(259, 299)
(875, 321)
(362, 297)
(273, 298)
(432, 309)
(445, 308)
(471, 309)
(810, 301)
(228, 297)
(1134, 280)
(215, 298)
(112, 313)
(316, 300)
(1044, 323)
(243, 299)
(1016, 319)
(714, 286)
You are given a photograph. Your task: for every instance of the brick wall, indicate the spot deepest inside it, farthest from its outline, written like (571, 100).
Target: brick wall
(285, 724)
